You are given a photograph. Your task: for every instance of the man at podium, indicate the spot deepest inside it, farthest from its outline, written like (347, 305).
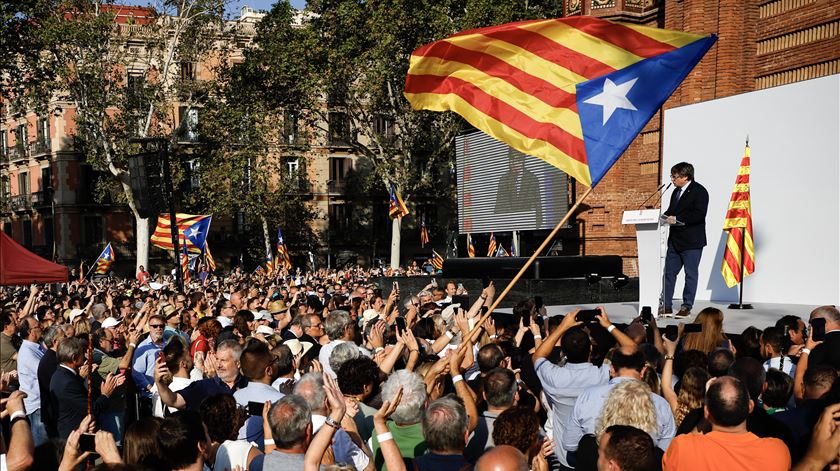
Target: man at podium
(686, 214)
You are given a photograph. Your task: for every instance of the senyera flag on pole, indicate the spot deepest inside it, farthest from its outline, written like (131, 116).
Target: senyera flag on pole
(574, 92)
(738, 223)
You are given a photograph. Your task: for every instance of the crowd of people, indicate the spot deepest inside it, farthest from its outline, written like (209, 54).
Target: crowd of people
(326, 371)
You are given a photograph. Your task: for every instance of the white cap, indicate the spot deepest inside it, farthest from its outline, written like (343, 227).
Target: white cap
(110, 322)
(75, 313)
(155, 286)
(296, 346)
(369, 315)
(224, 321)
(265, 330)
(263, 315)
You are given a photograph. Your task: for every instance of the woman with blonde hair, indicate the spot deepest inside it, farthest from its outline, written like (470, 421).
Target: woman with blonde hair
(711, 337)
(628, 403)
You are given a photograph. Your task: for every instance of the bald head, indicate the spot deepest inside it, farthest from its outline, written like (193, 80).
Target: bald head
(728, 402)
(502, 458)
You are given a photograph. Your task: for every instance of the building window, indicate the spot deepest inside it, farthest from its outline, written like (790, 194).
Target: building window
(46, 178)
(187, 71)
(384, 128)
(5, 187)
(4, 143)
(195, 178)
(340, 217)
(339, 169)
(23, 183)
(49, 237)
(290, 127)
(43, 131)
(93, 232)
(188, 122)
(27, 233)
(292, 166)
(339, 129)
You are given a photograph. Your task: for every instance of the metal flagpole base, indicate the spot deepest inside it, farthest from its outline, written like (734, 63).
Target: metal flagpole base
(740, 306)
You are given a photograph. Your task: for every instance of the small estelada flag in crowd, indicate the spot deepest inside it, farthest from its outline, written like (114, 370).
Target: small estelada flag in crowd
(502, 252)
(397, 208)
(437, 260)
(573, 91)
(282, 252)
(424, 233)
(192, 229)
(738, 222)
(105, 259)
(491, 247)
(185, 262)
(269, 262)
(470, 247)
(208, 257)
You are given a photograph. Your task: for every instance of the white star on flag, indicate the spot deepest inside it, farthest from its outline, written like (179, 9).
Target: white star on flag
(613, 97)
(192, 232)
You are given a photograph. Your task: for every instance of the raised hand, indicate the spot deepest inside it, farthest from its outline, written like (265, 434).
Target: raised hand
(111, 383)
(13, 403)
(388, 407)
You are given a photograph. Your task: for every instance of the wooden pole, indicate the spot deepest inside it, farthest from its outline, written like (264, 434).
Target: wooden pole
(90, 371)
(528, 263)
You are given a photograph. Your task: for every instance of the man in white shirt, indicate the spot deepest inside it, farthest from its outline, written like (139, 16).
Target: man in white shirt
(30, 354)
(260, 367)
(178, 360)
(340, 328)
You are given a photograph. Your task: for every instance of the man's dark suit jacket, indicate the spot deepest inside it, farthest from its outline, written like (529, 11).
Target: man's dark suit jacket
(690, 210)
(509, 200)
(68, 394)
(828, 352)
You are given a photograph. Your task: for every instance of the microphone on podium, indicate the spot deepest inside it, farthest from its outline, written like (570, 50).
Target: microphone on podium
(663, 193)
(641, 206)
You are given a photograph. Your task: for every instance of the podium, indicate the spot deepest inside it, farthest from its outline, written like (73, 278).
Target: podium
(651, 242)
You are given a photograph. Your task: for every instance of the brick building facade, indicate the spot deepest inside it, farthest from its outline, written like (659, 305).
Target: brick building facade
(760, 44)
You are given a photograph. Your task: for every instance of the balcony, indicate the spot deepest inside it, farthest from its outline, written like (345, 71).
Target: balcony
(337, 186)
(42, 199)
(41, 148)
(16, 154)
(21, 203)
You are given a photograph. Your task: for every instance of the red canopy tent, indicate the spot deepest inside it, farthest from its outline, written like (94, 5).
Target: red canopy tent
(19, 266)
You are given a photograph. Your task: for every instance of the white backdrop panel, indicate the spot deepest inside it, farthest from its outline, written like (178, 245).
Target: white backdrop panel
(794, 133)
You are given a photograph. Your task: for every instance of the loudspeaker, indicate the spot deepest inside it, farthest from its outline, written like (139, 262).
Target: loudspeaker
(542, 268)
(146, 183)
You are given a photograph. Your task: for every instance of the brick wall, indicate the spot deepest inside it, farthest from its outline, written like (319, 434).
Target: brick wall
(760, 44)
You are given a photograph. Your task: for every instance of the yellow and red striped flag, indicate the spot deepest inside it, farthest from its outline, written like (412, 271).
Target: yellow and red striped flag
(211, 262)
(437, 260)
(738, 223)
(573, 92)
(105, 260)
(470, 247)
(491, 247)
(185, 261)
(424, 233)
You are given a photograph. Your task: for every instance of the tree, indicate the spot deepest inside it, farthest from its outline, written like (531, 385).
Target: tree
(248, 166)
(120, 77)
(351, 82)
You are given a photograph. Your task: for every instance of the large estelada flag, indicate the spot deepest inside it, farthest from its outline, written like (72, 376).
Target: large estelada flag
(396, 206)
(105, 260)
(573, 92)
(193, 228)
(738, 223)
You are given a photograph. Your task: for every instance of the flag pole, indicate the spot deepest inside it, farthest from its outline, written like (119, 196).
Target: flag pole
(528, 263)
(741, 304)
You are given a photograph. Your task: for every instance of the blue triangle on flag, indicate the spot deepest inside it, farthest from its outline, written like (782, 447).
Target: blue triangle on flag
(644, 86)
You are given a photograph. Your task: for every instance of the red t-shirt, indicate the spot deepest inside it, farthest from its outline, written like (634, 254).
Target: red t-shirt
(143, 277)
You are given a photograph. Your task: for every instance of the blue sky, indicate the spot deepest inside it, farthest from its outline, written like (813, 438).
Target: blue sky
(233, 7)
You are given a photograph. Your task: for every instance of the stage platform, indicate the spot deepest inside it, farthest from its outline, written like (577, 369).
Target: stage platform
(734, 321)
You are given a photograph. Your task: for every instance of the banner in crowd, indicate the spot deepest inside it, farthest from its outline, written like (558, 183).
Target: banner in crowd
(738, 223)
(192, 228)
(574, 91)
(397, 208)
(283, 252)
(105, 260)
